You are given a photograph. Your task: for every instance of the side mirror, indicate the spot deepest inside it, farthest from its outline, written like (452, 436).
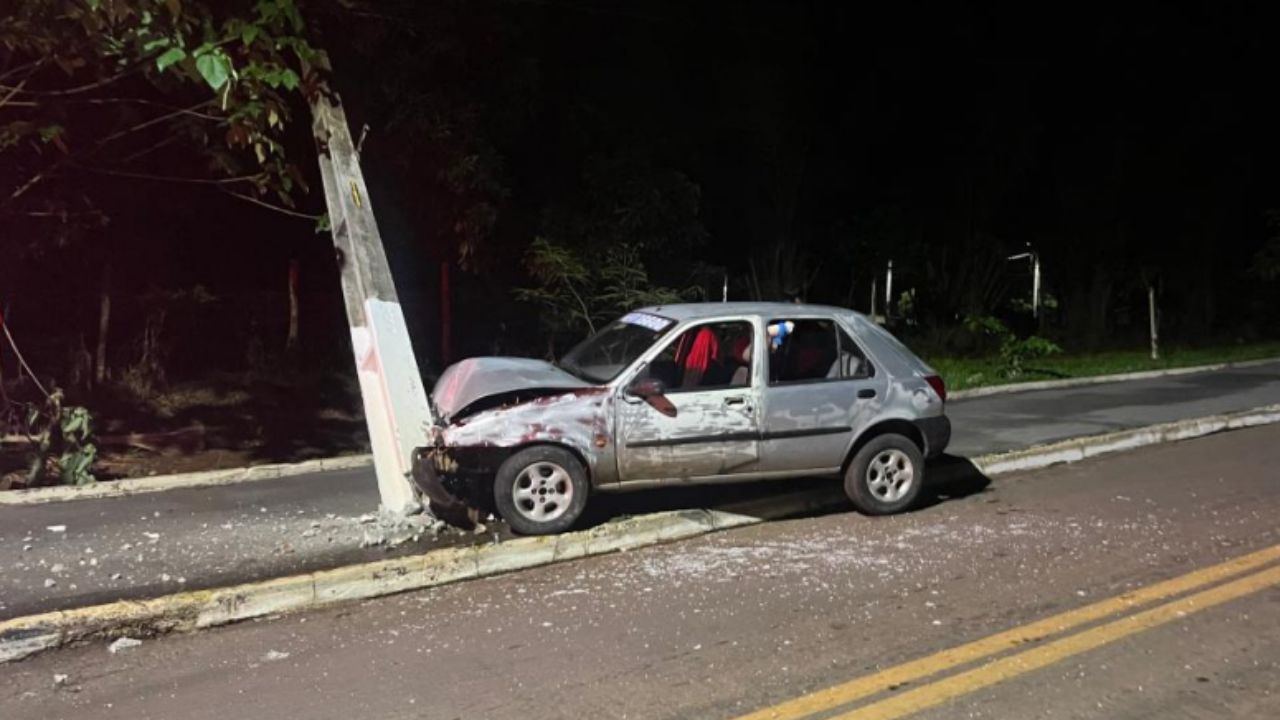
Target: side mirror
(646, 388)
(654, 392)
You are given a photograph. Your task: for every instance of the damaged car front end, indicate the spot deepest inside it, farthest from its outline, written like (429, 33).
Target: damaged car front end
(492, 407)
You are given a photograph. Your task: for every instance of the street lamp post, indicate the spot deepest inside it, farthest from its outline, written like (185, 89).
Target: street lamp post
(888, 291)
(1034, 257)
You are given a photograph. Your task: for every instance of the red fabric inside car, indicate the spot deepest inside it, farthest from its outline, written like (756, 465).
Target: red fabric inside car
(696, 355)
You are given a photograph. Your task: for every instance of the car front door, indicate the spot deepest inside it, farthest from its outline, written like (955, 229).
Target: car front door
(710, 425)
(821, 389)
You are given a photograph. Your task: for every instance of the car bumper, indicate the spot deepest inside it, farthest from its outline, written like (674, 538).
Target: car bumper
(936, 432)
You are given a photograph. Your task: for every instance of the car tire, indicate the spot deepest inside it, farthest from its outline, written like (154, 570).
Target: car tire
(885, 476)
(541, 490)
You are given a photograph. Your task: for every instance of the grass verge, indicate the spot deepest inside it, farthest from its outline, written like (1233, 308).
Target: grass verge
(966, 373)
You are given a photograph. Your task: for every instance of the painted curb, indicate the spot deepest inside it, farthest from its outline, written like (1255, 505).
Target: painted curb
(158, 483)
(25, 636)
(1103, 379)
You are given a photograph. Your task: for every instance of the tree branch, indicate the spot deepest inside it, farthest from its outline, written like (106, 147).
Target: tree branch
(172, 178)
(82, 88)
(148, 123)
(269, 206)
(21, 360)
(30, 67)
(14, 91)
(586, 315)
(30, 183)
(167, 140)
(40, 176)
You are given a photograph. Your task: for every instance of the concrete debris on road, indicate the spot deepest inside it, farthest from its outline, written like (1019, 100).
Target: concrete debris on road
(274, 655)
(124, 643)
(56, 528)
(391, 530)
(60, 679)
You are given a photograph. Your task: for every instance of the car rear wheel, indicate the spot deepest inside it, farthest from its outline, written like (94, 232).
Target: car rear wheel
(541, 490)
(885, 476)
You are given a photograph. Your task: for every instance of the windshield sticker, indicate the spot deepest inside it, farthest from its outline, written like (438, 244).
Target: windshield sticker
(645, 320)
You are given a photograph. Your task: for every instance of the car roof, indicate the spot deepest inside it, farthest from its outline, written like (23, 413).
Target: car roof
(697, 311)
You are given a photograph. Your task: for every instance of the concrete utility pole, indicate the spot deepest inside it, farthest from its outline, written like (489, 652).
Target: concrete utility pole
(395, 402)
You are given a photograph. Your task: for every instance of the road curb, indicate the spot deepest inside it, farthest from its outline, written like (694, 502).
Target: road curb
(1103, 379)
(1082, 448)
(158, 483)
(25, 636)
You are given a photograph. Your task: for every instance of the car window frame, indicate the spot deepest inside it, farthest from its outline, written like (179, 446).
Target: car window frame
(757, 332)
(837, 326)
(862, 350)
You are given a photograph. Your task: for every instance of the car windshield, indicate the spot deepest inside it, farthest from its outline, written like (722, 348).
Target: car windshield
(601, 357)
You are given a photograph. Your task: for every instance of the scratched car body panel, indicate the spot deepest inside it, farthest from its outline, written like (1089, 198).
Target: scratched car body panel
(693, 393)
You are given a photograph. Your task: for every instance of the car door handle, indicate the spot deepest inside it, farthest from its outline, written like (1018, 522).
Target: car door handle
(736, 400)
(866, 394)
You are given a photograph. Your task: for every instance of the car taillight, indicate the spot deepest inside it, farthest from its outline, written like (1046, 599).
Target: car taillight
(938, 386)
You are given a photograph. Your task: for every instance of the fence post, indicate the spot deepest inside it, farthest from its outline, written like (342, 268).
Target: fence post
(1155, 332)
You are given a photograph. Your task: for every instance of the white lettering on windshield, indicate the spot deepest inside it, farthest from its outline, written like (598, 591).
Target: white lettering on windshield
(645, 320)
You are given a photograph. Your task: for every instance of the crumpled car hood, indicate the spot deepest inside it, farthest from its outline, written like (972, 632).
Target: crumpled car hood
(468, 381)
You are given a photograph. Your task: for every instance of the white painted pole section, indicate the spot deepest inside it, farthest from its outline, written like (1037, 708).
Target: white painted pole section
(724, 296)
(1155, 332)
(873, 299)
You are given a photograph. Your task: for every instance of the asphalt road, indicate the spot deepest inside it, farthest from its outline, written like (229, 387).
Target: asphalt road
(733, 623)
(997, 423)
(147, 545)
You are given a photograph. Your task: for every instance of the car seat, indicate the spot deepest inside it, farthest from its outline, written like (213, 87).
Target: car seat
(741, 356)
(696, 355)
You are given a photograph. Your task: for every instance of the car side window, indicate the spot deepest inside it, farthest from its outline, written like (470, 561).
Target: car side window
(813, 350)
(853, 362)
(801, 350)
(705, 357)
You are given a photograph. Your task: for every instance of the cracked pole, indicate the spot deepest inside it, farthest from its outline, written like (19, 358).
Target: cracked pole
(396, 408)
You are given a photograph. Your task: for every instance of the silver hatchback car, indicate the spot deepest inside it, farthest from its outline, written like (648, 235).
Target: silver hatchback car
(682, 394)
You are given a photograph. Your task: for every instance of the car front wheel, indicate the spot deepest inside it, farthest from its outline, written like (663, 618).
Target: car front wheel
(885, 476)
(541, 490)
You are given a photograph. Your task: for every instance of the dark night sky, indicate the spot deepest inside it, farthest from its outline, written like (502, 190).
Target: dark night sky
(1116, 140)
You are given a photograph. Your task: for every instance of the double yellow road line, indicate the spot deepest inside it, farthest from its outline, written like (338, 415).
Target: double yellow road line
(1012, 665)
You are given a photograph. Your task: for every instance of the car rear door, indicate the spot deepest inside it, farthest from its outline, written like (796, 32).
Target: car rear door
(821, 388)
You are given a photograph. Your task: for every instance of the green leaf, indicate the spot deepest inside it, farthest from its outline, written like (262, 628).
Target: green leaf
(214, 69)
(169, 57)
(49, 132)
(249, 33)
(156, 43)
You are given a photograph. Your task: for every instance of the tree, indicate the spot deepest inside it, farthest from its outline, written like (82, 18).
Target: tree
(132, 89)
